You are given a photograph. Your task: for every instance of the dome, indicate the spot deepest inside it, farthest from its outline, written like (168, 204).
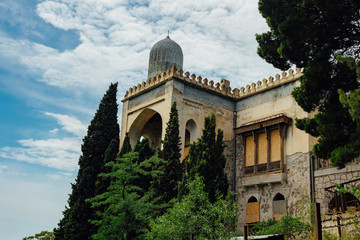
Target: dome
(163, 55)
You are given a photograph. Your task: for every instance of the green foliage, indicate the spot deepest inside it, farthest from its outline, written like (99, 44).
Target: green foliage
(195, 216)
(143, 148)
(344, 235)
(101, 131)
(347, 189)
(126, 147)
(266, 227)
(322, 37)
(354, 221)
(351, 102)
(166, 186)
(43, 235)
(329, 236)
(206, 158)
(110, 155)
(127, 208)
(290, 227)
(145, 152)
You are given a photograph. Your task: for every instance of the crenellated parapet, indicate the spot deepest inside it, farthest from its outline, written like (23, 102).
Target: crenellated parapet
(269, 83)
(222, 88)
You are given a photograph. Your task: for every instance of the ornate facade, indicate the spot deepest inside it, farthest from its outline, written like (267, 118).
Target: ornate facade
(269, 160)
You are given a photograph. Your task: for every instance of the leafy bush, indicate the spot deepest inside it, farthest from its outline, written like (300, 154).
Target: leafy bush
(194, 216)
(266, 227)
(290, 227)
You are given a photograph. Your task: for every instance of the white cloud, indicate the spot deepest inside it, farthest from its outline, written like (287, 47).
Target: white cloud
(69, 124)
(59, 14)
(217, 38)
(54, 131)
(54, 153)
(2, 168)
(58, 153)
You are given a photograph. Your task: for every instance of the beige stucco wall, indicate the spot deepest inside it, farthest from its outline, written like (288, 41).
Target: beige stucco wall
(160, 103)
(296, 140)
(294, 182)
(189, 107)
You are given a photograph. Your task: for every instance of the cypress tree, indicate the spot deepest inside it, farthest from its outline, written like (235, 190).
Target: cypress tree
(111, 153)
(102, 130)
(206, 158)
(126, 147)
(143, 148)
(166, 186)
(145, 152)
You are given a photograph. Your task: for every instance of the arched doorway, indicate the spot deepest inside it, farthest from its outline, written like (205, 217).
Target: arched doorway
(252, 210)
(149, 125)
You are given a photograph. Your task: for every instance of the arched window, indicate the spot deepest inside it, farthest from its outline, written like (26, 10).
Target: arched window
(252, 210)
(190, 130)
(279, 206)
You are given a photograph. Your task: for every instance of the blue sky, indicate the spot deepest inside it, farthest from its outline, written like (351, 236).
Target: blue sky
(58, 57)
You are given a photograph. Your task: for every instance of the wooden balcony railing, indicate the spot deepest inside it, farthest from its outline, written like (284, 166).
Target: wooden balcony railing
(262, 168)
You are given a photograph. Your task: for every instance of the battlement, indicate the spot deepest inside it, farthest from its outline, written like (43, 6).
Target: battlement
(222, 88)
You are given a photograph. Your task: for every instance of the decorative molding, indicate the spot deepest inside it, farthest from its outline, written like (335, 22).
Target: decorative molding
(222, 88)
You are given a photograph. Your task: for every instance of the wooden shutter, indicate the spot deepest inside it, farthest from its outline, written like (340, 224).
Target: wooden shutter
(252, 212)
(249, 151)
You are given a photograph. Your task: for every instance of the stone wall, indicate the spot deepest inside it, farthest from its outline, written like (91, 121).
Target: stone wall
(329, 177)
(229, 154)
(298, 182)
(293, 184)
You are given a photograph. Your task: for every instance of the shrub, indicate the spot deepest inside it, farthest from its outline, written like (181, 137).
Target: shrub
(289, 226)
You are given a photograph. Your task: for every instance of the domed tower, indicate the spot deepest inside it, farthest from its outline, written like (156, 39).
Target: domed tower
(163, 55)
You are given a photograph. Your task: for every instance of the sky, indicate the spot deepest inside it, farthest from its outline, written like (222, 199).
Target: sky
(57, 59)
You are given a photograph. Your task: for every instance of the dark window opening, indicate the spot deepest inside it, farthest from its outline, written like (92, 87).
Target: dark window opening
(343, 202)
(252, 199)
(278, 197)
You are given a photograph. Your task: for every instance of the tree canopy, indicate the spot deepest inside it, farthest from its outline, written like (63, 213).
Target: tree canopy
(323, 37)
(43, 235)
(166, 186)
(195, 217)
(206, 158)
(126, 206)
(126, 147)
(102, 130)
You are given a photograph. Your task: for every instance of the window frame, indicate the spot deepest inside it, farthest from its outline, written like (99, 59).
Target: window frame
(254, 128)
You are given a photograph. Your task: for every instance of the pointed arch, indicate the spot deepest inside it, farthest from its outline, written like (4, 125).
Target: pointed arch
(190, 130)
(279, 197)
(148, 124)
(252, 210)
(252, 199)
(279, 206)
